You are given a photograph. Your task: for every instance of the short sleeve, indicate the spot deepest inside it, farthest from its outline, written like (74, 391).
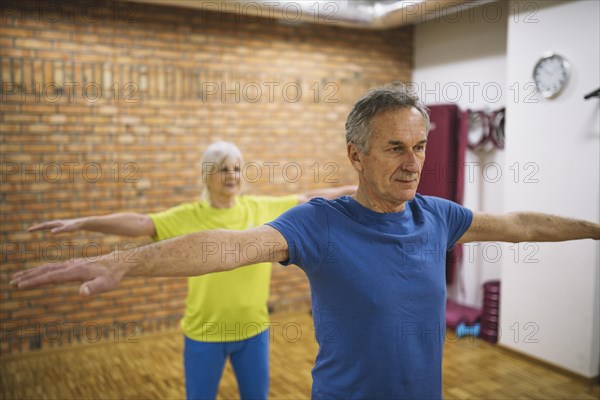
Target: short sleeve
(306, 231)
(166, 222)
(457, 218)
(271, 207)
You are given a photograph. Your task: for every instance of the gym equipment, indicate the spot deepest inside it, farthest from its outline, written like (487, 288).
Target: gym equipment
(463, 330)
(491, 307)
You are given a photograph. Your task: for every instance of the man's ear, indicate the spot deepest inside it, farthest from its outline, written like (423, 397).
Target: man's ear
(354, 155)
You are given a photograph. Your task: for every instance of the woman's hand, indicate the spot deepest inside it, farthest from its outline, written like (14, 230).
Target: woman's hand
(59, 225)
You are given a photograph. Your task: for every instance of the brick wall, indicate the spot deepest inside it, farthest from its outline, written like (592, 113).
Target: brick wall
(108, 106)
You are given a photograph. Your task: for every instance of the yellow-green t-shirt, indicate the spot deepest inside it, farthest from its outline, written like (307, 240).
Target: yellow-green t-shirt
(232, 305)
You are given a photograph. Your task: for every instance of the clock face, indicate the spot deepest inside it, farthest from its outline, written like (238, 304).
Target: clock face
(551, 74)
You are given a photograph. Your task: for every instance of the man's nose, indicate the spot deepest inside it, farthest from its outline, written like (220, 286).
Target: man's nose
(412, 167)
(411, 163)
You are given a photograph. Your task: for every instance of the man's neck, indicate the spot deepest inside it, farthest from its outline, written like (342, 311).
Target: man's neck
(371, 202)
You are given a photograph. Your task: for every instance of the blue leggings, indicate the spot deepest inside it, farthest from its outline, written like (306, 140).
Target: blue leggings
(204, 362)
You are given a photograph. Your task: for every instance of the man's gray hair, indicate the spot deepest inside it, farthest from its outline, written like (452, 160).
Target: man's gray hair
(393, 96)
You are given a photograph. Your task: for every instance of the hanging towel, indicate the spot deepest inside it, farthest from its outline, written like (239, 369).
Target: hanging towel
(443, 172)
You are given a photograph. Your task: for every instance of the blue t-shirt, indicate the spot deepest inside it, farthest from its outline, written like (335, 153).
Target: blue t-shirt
(378, 293)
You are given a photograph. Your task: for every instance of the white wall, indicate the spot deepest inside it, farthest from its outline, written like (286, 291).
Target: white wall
(461, 59)
(558, 292)
(550, 292)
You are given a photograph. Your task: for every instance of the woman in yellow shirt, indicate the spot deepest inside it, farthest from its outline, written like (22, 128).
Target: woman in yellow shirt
(226, 313)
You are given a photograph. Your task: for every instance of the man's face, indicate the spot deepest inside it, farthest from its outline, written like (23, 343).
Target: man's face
(390, 173)
(225, 180)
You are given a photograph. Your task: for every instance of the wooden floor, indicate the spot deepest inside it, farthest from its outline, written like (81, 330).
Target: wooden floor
(152, 369)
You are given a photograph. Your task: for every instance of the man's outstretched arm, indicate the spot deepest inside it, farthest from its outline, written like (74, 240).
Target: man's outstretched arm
(190, 255)
(528, 227)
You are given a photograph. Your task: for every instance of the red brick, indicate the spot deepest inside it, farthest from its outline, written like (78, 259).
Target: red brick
(165, 131)
(33, 43)
(20, 118)
(27, 312)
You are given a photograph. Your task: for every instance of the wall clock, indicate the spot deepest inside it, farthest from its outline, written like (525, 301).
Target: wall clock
(551, 74)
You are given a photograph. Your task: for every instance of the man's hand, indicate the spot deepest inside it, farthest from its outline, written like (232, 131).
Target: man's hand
(59, 225)
(97, 276)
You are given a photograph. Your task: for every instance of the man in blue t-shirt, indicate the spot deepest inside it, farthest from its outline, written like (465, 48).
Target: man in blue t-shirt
(378, 292)
(375, 260)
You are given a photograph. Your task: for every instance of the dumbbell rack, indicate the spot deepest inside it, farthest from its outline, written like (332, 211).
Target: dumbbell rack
(491, 311)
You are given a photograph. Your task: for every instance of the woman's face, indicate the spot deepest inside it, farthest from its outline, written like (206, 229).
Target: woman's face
(224, 180)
